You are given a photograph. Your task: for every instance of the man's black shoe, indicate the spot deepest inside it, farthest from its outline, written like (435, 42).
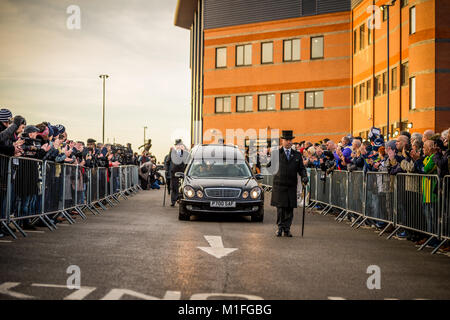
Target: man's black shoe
(288, 234)
(279, 233)
(172, 204)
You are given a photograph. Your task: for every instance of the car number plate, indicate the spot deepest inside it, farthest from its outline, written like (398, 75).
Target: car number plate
(223, 204)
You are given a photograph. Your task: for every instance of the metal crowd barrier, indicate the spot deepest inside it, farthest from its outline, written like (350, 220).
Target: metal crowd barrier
(445, 205)
(339, 190)
(4, 198)
(312, 186)
(415, 202)
(32, 190)
(356, 193)
(418, 204)
(379, 197)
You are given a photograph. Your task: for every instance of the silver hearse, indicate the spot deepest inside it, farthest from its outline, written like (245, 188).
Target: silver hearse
(218, 179)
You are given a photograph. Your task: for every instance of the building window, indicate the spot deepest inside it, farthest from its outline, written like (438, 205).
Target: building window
(385, 13)
(384, 82)
(289, 100)
(377, 86)
(317, 47)
(244, 104)
(369, 89)
(244, 55)
(223, 105)
(361, 36)
(362, 92)
(412, 93)
(403, 3)
(404, 74)
(291, 50)
(266, 102)
(412, 20)
(355, 95)
(314, 99)
(267, 52)
(394, 79)
(355, 42)
(369, 36)
(221, 57)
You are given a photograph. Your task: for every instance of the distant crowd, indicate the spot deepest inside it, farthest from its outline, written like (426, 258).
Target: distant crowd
(47, 142)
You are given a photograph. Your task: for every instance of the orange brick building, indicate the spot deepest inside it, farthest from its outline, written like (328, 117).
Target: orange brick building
(314, 66)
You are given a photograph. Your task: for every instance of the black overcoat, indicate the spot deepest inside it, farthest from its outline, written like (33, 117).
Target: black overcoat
(284, 189)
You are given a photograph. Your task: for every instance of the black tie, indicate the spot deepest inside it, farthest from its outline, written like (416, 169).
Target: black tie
(288, 153)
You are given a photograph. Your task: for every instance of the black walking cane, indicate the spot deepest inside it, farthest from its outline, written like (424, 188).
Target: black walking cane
(165, 186)
(304, 208)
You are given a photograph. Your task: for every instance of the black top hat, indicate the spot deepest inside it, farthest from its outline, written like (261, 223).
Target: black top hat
(287, 135)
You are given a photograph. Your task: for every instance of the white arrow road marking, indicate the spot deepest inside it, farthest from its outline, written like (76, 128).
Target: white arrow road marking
(4, 289)
(216, 248)
(78, 294)
(117, 294)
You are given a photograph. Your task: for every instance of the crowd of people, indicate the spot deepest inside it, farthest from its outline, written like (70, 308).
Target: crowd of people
(416, 153)
(425, 153)
(45, 141)
(52, 143)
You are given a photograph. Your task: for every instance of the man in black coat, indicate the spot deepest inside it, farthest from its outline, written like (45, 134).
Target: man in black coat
(284, 189)
(176, 162)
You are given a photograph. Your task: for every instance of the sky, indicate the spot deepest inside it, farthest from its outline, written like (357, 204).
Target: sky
(49, 72)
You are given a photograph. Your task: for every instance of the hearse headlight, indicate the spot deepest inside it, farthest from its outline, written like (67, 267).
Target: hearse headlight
(200, 194)
(255, 193)
(245, 194)
(189, 191)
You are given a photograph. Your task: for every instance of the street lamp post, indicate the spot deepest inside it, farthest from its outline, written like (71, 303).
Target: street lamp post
(386, 7)
(104, 77)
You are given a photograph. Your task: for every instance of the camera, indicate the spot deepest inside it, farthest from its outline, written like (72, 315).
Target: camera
(328, 165)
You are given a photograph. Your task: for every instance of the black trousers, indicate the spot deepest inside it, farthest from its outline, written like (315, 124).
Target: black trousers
(284, 218)
(174, 186)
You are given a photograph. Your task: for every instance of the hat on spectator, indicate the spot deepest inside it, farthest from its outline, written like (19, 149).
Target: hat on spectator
(178, 142)
(90, 140)
(5, 115)
(55, 130)
(377, 144)
(30, 129)
(61, 128)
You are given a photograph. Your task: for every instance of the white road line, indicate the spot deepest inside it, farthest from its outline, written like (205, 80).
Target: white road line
(5, 289)
(34, 231)
(78, 294)
(336, 298)
(48, 285)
